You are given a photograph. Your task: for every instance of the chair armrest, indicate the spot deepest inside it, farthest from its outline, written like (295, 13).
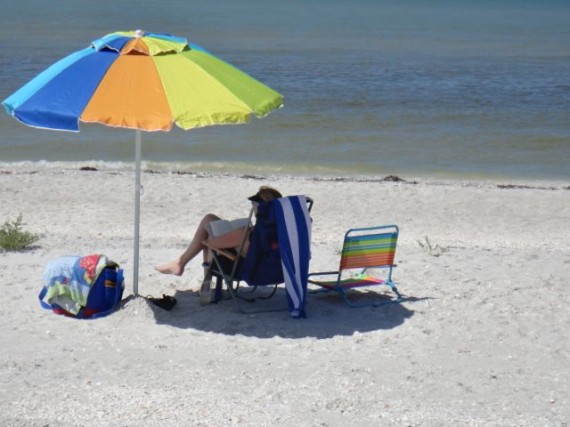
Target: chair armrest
(324, 273)
(223, 252)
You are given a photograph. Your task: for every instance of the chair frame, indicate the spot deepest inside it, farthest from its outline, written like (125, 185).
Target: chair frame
(343, 286)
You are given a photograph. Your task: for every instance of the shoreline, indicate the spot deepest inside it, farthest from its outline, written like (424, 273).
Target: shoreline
(149, 167)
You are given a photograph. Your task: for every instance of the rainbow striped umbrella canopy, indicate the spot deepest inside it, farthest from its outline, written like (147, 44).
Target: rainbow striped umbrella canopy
(141, 80)
(144, 81)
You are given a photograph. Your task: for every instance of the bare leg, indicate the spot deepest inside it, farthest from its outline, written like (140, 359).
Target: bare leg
(177, 266)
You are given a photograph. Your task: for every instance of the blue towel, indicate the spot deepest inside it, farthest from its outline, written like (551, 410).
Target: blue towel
(294, 233)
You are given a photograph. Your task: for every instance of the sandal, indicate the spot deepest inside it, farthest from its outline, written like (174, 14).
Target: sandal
(166, 302)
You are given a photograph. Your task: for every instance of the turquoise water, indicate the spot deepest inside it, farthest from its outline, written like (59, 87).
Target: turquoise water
(442, 88)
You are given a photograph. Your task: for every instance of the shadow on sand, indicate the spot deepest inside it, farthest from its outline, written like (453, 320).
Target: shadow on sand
(327, 316)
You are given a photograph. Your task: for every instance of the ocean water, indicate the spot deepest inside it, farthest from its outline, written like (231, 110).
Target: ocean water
(458, 89)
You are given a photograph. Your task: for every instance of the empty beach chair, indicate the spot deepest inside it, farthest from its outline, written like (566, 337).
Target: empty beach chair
(367, 260)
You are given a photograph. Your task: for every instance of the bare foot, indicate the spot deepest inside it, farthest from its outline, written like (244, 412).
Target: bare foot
(173, 267)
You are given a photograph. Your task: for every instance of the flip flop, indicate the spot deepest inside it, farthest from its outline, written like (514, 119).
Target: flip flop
(166, 302)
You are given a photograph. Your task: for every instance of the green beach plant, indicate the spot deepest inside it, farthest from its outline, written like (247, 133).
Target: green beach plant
(13, 238)
(433, 249)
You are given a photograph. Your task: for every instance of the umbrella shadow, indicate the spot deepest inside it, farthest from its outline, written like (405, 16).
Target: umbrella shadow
(327, 316)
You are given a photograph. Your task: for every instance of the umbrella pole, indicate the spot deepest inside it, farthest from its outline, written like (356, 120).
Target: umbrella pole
(137, 213)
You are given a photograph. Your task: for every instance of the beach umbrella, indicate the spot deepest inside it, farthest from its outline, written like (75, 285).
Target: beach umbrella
(143, 81)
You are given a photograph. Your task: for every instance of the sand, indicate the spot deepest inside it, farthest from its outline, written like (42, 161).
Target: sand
(482, 338)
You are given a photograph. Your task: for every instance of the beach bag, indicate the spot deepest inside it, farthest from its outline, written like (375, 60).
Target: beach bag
(82, 287)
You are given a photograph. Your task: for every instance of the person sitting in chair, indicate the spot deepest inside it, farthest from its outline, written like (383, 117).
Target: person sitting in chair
(230, 239)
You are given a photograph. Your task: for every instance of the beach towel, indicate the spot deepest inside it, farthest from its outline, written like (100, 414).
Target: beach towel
(294, 233)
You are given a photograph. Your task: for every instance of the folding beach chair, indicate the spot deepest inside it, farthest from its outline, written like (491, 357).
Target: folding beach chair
(279, 252)
(367, 260)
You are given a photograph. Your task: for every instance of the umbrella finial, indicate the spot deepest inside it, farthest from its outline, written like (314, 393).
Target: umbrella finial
(139, 34)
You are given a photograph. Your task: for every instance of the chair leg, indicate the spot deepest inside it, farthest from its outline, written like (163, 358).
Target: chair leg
(397, 299)
(206, 288)
(218, 292)
(395, 289)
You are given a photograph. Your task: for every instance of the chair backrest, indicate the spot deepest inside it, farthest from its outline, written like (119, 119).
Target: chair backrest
(369, 247)
(262, 264)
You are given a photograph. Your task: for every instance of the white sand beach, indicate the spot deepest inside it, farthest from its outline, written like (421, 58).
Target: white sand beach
(482, 338)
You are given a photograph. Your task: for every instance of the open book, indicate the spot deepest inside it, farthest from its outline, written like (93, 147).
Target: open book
(223, 226)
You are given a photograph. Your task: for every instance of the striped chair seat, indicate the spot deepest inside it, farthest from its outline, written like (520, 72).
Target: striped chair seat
(350, 282)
